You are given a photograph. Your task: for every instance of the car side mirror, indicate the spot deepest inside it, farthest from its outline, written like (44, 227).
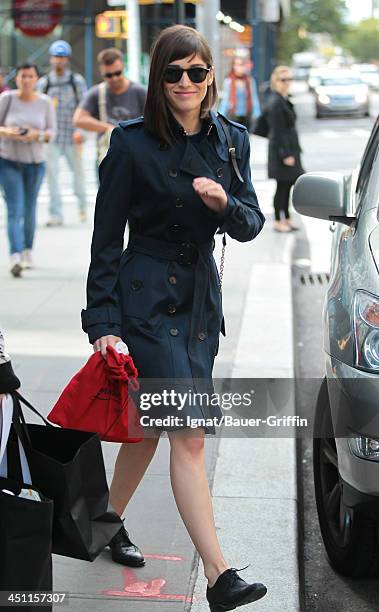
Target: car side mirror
(323, 196)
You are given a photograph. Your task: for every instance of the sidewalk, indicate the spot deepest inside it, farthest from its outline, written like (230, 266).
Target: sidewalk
(254, 486)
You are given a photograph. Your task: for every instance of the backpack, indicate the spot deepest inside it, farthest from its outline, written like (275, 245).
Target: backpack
(71, 81)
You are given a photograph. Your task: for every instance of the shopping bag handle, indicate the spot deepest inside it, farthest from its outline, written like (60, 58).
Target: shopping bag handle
(19, 423)
(28, 404)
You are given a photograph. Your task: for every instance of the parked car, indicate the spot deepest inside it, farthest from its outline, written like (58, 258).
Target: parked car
(346, 426)
(314, 78)
(341, 93)
(369, 73)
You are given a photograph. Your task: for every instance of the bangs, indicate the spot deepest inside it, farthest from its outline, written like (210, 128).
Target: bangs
(188, 46)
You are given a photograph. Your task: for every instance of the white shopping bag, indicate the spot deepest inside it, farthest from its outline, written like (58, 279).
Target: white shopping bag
(6, 417)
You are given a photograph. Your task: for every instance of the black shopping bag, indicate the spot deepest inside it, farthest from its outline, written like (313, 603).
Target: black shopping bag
(68, 466)
(25, 522)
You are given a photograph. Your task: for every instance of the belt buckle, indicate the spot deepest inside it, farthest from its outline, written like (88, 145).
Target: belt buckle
(187, 253)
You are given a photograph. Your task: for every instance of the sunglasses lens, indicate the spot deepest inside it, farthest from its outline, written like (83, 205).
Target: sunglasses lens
(197, 75)
(109, 75)
(173, 75)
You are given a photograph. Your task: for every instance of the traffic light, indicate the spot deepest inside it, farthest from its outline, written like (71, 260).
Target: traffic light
(111, 24)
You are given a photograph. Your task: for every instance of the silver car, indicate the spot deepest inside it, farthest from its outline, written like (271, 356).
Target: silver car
(346, 427)
(341, 93)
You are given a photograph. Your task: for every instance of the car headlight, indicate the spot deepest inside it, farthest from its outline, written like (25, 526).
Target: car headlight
(365, 448)
(323, 99)
(366, 331)
(361, 98)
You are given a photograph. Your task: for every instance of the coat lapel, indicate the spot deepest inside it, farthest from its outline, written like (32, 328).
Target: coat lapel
(193, 163)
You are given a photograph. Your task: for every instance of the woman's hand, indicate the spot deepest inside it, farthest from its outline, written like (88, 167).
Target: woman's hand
(31, 136)
(2, 395)
(102, 343)
(212, 193)
(289, 161)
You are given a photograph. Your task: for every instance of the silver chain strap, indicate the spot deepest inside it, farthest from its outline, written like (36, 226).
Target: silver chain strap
(222, 261)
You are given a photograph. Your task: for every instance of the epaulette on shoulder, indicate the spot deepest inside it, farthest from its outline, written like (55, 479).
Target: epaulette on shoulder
(131, 123)
(241, 127)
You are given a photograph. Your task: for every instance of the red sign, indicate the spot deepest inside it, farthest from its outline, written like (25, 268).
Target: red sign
(36, 17)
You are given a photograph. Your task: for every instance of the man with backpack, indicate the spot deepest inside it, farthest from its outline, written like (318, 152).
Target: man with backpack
(66, 89)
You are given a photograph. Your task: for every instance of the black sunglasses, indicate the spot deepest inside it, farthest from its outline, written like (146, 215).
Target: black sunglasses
(109, 75)
(197, 74)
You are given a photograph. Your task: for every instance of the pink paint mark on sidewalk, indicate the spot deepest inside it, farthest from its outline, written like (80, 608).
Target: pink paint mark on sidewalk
(146, 590)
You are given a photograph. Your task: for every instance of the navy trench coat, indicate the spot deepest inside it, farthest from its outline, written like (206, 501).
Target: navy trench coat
(161, 295)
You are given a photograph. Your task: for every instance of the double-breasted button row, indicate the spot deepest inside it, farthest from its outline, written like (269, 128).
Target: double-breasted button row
(171, 309)
(202, 335)
(172, 279)
(219, 172)
(179, 203)
(174, 331)
(173, 172)
(175, 228)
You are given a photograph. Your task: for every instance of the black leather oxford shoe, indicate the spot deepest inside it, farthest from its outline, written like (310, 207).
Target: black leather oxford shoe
(124, 551)
(230, 591)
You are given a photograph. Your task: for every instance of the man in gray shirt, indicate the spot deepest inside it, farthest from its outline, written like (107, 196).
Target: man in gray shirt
(116, 99)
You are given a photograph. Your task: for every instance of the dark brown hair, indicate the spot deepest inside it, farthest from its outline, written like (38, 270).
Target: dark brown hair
(173, 43)
(109, 56)
(27, 66)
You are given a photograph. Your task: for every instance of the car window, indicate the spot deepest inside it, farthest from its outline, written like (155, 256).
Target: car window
(367, 177)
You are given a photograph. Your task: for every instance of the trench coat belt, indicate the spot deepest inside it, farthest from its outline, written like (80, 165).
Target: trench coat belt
(186, 253)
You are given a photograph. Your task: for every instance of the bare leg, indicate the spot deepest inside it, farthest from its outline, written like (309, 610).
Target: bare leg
(191, 491)
(131, 464)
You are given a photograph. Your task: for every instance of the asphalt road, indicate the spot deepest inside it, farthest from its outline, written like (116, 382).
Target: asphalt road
(329, 144)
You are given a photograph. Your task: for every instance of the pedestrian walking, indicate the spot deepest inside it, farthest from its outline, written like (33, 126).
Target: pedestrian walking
(27, 121)
(170, 176)
(284, 162)
(240, 100)
(66, 89)
(116, 99)
(8, 380)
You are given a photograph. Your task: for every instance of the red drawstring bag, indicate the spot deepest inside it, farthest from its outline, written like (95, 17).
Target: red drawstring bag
(97, 399)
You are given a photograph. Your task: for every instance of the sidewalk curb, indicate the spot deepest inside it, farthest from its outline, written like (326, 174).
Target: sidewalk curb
(255, 483)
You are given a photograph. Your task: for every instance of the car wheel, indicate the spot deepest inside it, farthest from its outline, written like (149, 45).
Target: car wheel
(350, 539)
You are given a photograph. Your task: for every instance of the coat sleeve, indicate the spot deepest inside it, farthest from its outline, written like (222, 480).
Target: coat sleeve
(242, 218)
(103, 314)
(278, 130)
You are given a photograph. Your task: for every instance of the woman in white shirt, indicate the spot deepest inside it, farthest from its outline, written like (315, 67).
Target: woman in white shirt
(27, 121)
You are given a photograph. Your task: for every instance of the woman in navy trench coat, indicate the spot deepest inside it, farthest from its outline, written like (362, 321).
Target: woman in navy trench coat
(170, 177)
